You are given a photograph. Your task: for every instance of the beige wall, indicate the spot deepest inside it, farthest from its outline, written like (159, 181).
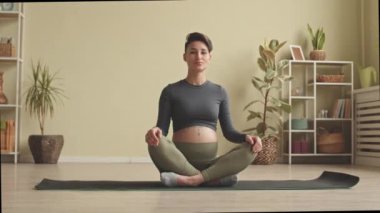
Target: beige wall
(371, 33)
(115, 57)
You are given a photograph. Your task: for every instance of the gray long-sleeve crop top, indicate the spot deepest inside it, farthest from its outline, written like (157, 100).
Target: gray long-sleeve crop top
(188, 105)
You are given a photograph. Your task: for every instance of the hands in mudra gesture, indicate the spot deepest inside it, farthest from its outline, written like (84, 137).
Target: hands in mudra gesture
(152, 137)
(256, 143)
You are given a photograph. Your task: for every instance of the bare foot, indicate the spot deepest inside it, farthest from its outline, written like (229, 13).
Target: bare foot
(173, 179)
(183, 180)
(225, 181)
(189, 180)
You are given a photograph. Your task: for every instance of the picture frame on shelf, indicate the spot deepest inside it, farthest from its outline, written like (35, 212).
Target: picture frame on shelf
(297, 53)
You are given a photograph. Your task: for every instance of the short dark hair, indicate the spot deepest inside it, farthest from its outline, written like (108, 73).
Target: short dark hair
(191, 37)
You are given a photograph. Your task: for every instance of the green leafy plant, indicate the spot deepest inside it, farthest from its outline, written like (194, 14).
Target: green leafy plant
(266, 86)
(317, 38)
(42, 95)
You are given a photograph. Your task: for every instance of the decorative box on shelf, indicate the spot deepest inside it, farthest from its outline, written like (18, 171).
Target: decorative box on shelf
(330, 78)
(330, 142)
(7, 50)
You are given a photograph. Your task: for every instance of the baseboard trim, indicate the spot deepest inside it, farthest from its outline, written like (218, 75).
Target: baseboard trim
(74, 159)
(367, 161)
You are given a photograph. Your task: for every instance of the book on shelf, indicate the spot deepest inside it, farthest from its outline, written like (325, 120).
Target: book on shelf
(347, 113)
(2, 135)
(300, 146)
(334, 108)
(341, 108)
(7, 135)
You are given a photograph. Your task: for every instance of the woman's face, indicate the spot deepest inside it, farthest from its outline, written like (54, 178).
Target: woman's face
(197, 56)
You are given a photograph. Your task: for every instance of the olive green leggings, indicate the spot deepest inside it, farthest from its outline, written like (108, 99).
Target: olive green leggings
(194, 158)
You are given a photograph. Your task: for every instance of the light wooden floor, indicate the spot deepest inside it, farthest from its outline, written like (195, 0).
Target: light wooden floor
(18, 195)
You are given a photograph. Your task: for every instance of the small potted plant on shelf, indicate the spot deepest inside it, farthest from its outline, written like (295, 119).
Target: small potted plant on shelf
(41, 98)
(318, 41)
(269, 120)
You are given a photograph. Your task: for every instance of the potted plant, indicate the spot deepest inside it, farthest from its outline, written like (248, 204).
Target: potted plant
(269, 120)
(318, 41)
(41, 97)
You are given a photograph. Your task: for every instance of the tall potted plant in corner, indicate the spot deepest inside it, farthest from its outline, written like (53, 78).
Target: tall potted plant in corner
(41, 97)
(269, 119)
(318, 41)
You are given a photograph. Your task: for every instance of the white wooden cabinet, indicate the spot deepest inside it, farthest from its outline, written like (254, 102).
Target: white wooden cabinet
(313, 100)
(11, 26)
(367, 126)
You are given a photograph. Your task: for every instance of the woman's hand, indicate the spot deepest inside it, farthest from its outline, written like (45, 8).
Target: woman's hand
(152, 137)
(255, 141)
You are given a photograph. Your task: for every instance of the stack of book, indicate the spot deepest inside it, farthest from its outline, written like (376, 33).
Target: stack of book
(7, 135)
(341, 108)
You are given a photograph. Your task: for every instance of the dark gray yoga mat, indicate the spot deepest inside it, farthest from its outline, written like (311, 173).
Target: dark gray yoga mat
(327, 180)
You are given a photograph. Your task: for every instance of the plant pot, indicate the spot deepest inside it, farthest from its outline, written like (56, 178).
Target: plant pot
(269, 154)
(45, 148)
(318, 55)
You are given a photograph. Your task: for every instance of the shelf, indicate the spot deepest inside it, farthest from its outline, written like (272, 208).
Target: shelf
(8, 106)
(10, 59)
(329, 84)
(3, 152)
(9, 14)
(333, 154)
(302, 97)
(317, 154)
(311, 62)
(300, 154)
(332, 84)
(333, 119)
(300, 130)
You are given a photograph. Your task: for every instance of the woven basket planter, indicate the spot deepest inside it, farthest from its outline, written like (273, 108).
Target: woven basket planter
(268, 155)
(318, 55)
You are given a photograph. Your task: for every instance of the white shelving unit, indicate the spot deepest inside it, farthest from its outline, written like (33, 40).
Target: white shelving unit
(11, 25)
(308, 97)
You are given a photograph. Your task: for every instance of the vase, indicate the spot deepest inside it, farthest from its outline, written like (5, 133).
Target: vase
(3, 98)
(46, 149)
(368, 77)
